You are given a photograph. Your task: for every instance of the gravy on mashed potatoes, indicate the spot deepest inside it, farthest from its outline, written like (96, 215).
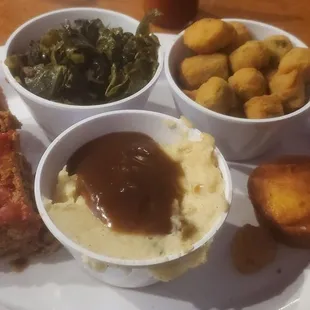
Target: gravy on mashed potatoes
(203, 201)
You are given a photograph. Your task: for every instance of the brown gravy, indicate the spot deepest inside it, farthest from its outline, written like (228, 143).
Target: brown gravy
(128, 181)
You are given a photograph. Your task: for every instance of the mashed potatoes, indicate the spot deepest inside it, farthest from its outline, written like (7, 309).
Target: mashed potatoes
(203, 203)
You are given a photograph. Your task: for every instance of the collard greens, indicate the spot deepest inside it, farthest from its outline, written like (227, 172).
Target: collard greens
(87, 62)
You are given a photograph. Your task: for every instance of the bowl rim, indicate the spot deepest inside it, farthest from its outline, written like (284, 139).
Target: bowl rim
(49, 103)
(67, 242)
(177, 90)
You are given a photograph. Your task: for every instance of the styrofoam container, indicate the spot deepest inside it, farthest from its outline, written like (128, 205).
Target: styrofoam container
(55, 117)
(237, 138)
(120, 272)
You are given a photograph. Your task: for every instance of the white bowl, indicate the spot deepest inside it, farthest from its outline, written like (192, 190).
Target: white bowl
(237, 138)
(123, 273)
(55, 117)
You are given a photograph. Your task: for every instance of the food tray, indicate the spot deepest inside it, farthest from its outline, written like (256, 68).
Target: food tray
(56, 282)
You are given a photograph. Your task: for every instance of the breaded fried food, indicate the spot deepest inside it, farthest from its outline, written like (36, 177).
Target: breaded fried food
(208, 35)
(190, 93)
(297, 58)
(216, 95)
(252, 54)
(237, 112)
(252, 249)
(266, 106)
(279, 192)
(290, 87)
(196, 70)
(269, 73)
(242, 35)
(278, 46)
(248, 83)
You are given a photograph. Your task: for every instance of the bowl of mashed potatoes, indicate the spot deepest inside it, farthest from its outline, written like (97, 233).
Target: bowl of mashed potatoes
(135, 196)
(243, 81)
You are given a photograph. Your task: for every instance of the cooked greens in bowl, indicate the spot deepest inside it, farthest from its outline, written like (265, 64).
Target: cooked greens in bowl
(87, 62)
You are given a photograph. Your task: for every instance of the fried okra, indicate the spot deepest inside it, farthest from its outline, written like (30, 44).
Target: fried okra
(208, 35)
(242, 35)
(278, 46)
(216, 95)
(252, 54)
(248, 83)
(196, 70)
(269, 73)
(266, 106)
(190, 93)
(297, 58)
(290, 87)
(237, 112)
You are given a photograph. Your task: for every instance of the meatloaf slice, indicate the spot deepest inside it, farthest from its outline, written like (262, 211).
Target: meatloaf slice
(22, 231)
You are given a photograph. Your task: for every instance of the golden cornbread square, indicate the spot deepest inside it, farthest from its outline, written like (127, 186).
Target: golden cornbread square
(280, 194)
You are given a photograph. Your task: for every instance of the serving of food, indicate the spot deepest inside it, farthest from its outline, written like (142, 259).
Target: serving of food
(87, 62)
(171, 185)
(278, 191)
(157, 197)
(241, 79)
(22, 232)
(81, 62)
(234, 74)
(138, 197)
